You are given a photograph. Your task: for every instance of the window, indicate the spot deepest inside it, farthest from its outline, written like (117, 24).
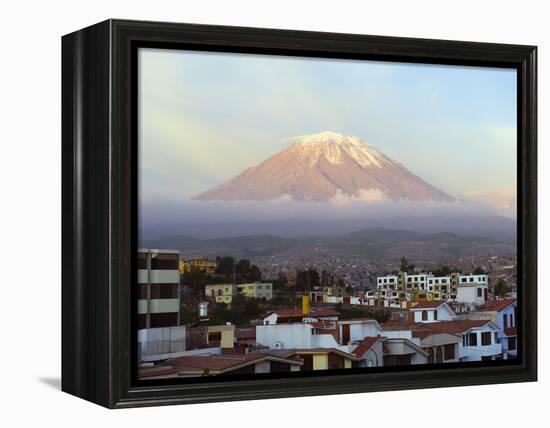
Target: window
(449, 351)
(463, 279)
(512, 343)
(164, 320)
(472, 339)
(424, 315)
(164, 291)
(142, 261)
(471, 279)
(479, 292)
(437, 281)
(215, 337)
(486, 338)
(142, 321)
(435, 315)
(505, 320)
(142, 291)
(164, 261)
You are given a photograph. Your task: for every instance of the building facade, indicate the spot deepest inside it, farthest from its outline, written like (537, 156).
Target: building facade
(158, 288)
(198, 265)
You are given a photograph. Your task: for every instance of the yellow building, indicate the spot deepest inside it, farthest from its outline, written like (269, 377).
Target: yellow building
(221, 335)
(198, 265)
(221, 293)
(256, 290)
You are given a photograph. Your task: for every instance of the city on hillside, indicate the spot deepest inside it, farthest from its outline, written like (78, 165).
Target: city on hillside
(227, 315)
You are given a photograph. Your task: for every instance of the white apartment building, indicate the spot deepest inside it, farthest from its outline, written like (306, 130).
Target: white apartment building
(158, 288)
(469, 288)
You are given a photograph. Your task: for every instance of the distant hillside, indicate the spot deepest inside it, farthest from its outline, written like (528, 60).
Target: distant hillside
(374, 243)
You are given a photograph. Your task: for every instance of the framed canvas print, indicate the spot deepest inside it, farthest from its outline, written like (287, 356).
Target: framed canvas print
(253, 213)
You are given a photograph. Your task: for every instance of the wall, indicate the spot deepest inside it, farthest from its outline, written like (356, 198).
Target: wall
(161, 340)
(292, 335)
(30, 177)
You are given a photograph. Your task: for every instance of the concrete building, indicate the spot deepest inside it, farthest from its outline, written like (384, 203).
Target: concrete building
(295, 336)
(209, 365)
(321, 358)
(283, 316)
(256, 290)
(432, 311)
(399, 351)
(222, 336)
(220, 293)
(478, 338)
(456, 287)
(441, 347)
(158, 288)
(504, 314)
(369, 352)
(197, 265)
(160, 341)
(224, 293)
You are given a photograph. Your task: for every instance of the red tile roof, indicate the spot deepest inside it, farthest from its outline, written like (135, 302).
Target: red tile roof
(422, 330)
(245, 333)
(453, 327)
(327, 324)
(397, 325)
(366, 344)
(156, 371)
(217, 363)
(428, 304)
(297, 313)
(497, 305)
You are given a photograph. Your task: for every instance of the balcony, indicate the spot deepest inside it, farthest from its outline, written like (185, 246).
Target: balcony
(474, 353)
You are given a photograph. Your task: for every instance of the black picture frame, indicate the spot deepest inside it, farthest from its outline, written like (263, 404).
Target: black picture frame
(99, 209)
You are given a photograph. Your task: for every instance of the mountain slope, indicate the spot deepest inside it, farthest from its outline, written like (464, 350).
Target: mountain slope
(322, 166)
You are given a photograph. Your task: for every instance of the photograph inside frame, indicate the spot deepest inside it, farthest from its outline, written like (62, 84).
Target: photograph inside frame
(302, 214)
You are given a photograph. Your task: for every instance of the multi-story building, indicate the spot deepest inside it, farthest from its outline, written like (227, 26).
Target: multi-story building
(256, 290)
(221, 293)
(198, 265)
(473, 289)
(426, 286)
(158, 288)
(224, 293)
(503, 313)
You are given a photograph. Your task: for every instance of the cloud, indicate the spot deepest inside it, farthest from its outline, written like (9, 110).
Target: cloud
(365, 195)
(502, 199)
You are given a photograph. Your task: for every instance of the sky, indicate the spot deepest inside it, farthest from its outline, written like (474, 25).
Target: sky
(205, 117)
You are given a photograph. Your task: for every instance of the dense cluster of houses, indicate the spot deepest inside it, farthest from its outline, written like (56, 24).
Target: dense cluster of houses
(402, 290)
(434, 320)
(429, 332)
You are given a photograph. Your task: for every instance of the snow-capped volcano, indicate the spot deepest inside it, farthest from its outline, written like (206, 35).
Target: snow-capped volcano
(323, 166)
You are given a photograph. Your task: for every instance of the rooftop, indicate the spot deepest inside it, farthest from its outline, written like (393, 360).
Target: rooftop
(497, 305)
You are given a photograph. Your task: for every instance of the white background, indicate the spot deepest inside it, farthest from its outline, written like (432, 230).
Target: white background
(30, 247)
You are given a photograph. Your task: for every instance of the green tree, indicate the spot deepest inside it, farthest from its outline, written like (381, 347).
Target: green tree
(501, 288)
(243, 267)
(442, 271)
(478, 271)
(254, 274)
(196, 280)
(225, 265)
(307, 280)
(406, 266)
